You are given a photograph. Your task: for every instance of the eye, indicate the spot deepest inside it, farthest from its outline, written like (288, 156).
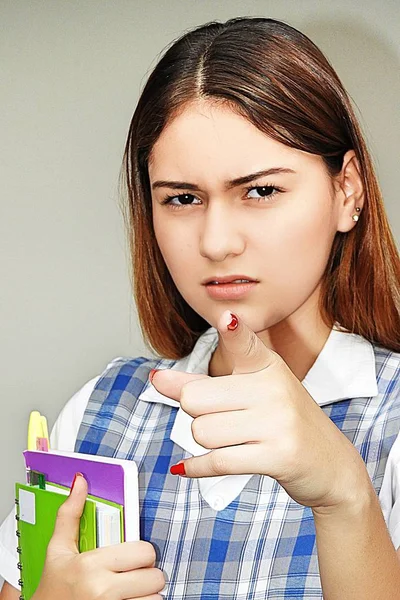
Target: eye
(263, 191)
(183, 199)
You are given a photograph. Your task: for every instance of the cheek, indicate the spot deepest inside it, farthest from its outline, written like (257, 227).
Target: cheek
(293, 231)
(310, 224)
(176, 248)
(307, 236)
(302, 250)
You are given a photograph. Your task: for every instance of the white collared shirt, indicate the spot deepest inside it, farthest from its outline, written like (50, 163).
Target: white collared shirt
(345, 368)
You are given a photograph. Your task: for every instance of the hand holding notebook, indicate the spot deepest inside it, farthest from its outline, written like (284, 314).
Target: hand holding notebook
(74, 538)
(120, 571)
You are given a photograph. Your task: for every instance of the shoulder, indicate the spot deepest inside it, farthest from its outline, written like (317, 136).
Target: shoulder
(65, 429)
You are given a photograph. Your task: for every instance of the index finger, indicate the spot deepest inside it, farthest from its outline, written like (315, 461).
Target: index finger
(215, 394)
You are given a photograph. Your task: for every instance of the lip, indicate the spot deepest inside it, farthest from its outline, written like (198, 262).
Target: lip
(228, 279)
(230, 291)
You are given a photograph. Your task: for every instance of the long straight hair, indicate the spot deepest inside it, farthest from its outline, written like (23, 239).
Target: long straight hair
(274, 76)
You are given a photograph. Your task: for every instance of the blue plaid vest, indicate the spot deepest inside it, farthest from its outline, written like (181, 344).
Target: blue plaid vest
(262, 545)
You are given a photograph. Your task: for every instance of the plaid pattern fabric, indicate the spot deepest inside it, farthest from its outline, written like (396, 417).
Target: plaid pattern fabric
(262, 545)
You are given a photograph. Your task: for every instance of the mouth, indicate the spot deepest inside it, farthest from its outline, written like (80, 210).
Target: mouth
(229, 288)
(230, 280)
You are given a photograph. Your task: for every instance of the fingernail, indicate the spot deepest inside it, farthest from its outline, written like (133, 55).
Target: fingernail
(152, 373)
(178, 469)
(234, 323)
(73, 483)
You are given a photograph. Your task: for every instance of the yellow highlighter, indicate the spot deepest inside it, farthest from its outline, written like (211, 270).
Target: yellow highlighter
(38, 435)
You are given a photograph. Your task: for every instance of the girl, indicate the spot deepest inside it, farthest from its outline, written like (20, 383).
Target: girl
(267, 279)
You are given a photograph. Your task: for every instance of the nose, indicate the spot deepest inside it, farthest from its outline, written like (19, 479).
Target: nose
(220, 234)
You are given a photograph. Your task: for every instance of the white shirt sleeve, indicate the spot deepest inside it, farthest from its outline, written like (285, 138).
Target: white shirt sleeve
(389, 496)
(63, 436)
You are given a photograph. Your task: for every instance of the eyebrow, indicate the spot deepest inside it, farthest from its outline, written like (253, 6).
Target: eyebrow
(184, 185)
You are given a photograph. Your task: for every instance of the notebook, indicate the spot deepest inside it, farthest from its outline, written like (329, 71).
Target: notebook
(111, 512)
(113, 479)
(36, 512)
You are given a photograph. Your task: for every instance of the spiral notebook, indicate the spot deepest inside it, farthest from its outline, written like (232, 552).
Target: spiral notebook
(36, 513)
(113, 488)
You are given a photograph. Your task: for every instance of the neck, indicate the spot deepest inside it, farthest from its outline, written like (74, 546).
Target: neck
(297, 341)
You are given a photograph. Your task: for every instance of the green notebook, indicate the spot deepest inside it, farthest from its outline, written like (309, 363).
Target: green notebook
(36, 515)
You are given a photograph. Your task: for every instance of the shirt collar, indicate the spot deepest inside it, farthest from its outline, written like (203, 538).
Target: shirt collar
(344, 369)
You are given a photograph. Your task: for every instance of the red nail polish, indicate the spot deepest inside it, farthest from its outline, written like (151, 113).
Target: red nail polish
(152, 373)
(73, 483)
(178, 469)
(234, 323)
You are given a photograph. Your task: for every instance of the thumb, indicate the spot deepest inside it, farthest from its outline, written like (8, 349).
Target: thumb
(247, 351)
(66, 530)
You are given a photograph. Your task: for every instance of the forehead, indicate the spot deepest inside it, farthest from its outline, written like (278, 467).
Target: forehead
(207, 138)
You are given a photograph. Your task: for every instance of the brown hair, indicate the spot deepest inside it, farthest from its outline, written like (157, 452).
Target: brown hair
(277, 78)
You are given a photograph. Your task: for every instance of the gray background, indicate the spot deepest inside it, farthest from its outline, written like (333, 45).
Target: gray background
(70, 75)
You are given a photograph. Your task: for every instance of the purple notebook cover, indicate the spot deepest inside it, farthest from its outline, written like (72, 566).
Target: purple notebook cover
(104, 479)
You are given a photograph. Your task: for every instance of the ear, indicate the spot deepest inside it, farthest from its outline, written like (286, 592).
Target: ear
(349, 190)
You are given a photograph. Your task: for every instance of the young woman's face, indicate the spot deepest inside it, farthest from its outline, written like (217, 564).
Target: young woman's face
(275, 229)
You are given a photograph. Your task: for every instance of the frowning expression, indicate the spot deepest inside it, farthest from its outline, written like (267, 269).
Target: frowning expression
(229, 200)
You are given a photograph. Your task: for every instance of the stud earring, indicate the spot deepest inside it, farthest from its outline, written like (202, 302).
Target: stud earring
(356, 217)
